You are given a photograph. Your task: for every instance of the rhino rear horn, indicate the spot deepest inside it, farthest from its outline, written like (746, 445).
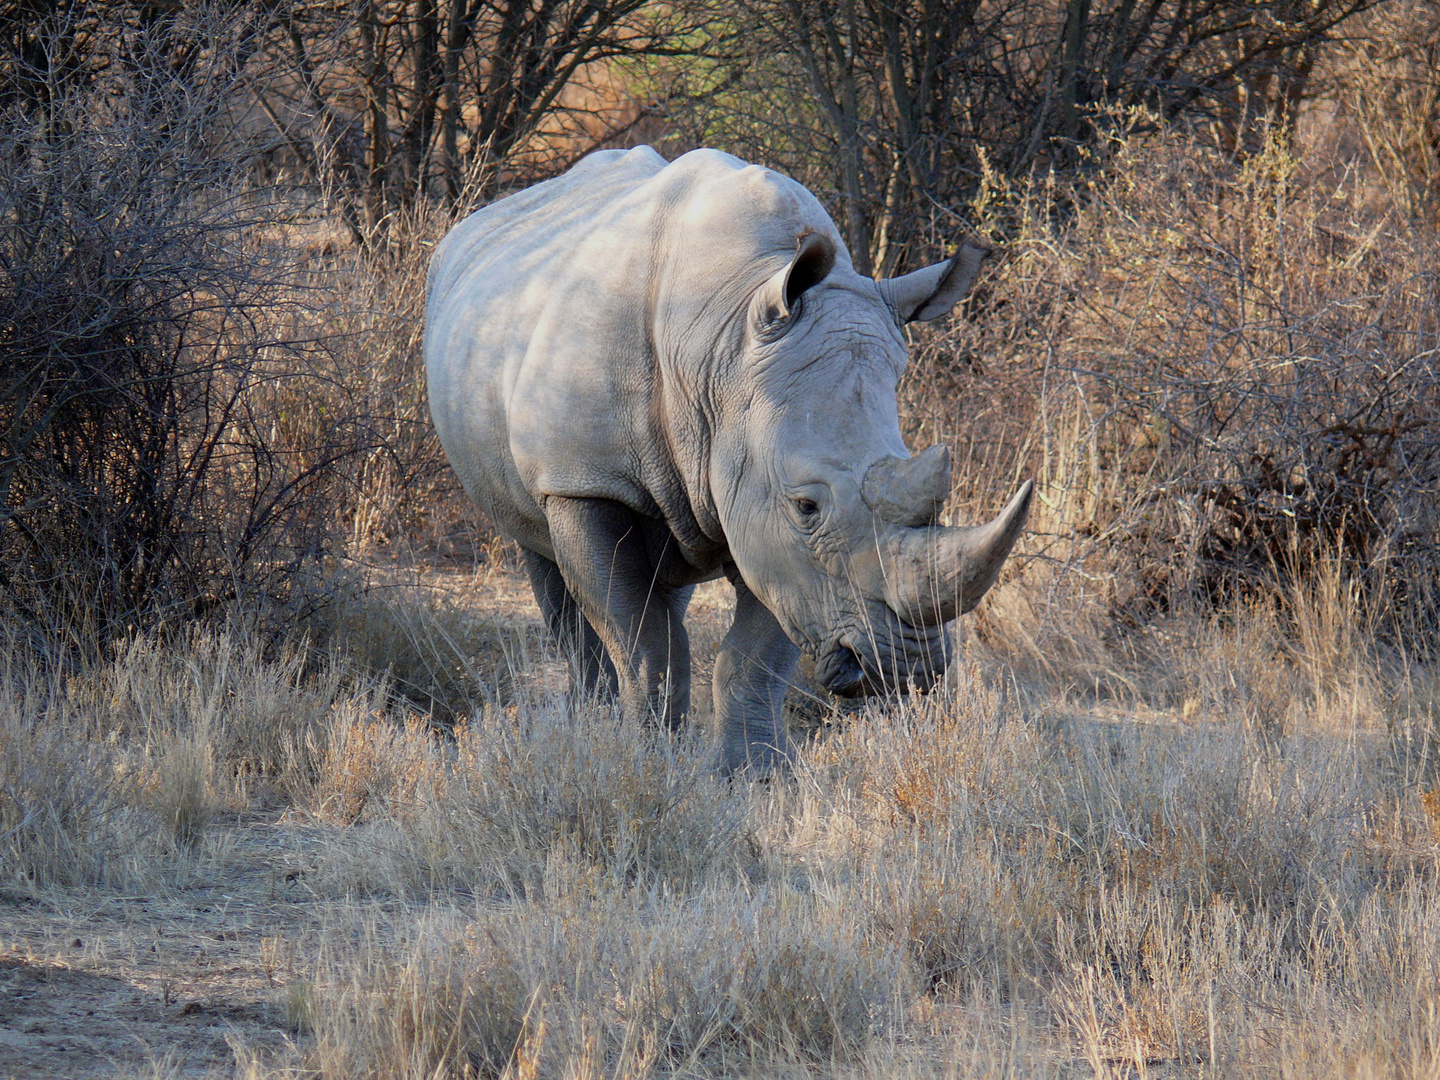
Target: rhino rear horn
(932, 292)
(909, 491)
(777, 299)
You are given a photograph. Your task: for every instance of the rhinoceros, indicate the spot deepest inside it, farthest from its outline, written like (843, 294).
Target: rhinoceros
(650, 374)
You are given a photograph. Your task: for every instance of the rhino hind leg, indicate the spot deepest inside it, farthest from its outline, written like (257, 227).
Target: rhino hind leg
(593, 672)
(752, 672)
(607, 557)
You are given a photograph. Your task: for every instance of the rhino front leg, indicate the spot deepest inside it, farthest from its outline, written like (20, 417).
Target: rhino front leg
(752, 671)
(593, 672)
(604, 552)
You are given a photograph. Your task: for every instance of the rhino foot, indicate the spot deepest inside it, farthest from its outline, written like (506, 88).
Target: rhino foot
(752, 672)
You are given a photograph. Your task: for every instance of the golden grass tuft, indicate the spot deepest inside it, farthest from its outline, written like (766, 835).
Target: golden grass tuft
(599, 978)
(487, 810)
(64, 818)
(259, 711)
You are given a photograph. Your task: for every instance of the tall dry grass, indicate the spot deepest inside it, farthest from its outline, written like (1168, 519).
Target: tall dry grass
(63, 816)
(609, 981)
(1387, 85)
(964, 877)
(487, 812)
(365, 306)
(437, 652)
(111, 770)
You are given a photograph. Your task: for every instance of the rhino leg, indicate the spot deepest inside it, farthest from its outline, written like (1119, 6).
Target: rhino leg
(612, 566)
(594, 674)
(752, 671)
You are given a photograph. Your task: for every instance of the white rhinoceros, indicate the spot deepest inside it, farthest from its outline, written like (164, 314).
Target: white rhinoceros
(649, 374)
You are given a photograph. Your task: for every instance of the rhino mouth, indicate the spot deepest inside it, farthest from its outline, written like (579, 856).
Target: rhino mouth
(839, 671)
(885, 658)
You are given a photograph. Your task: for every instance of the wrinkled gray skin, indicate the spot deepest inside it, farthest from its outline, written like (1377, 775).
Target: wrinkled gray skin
(652, 374)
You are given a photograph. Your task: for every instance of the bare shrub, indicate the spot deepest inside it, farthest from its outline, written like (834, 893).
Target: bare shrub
(894, 111)
(1386, 83)
(139, 474)
(362, 392)
(1218, 381)
(376, 108)
(371, 300)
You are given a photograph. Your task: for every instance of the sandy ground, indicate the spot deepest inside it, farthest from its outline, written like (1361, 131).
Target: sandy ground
(95, 984)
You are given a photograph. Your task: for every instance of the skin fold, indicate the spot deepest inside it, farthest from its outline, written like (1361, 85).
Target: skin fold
(652, 374)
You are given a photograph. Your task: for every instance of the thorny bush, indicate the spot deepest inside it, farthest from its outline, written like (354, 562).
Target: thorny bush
(143, 468)
(1218, 372)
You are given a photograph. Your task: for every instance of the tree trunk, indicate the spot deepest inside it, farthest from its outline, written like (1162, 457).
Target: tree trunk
(422, 120)
(1077, 14)
(376, 75)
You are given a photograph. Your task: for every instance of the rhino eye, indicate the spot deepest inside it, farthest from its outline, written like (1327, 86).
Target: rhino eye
(806, 508)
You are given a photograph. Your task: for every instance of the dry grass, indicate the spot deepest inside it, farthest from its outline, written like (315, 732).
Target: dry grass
(1001, 878)
(600, 979)
(487, 812)
(438, 653)
(62, 819)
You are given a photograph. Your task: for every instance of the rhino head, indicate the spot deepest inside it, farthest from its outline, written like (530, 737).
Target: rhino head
(830, 521)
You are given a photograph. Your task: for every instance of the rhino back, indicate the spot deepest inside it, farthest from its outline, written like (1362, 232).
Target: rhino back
(575, 330)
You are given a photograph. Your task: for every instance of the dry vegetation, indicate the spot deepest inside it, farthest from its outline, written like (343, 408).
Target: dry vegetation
(997, 879)
(289, 783)
(1223, 376)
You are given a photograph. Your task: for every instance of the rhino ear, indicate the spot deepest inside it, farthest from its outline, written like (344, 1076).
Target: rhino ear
(778, 299)
(932, 292)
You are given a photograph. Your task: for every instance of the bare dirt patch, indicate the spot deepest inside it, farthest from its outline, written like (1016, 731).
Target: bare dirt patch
(98, 984)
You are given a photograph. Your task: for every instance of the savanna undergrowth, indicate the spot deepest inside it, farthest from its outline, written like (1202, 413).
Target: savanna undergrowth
(1219, 368)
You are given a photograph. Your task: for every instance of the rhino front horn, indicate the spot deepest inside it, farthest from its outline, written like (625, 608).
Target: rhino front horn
(938, 573)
